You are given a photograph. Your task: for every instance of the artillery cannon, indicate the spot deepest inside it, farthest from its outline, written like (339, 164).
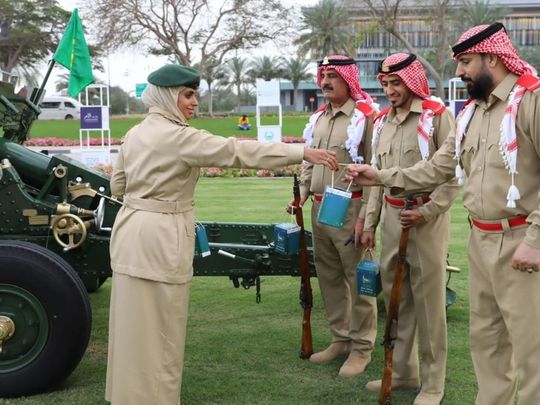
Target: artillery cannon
(56, 216)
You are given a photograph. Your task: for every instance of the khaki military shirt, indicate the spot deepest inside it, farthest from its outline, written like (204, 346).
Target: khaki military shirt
(330, 132)
(487, 179)
(398, 147)
(158, 166)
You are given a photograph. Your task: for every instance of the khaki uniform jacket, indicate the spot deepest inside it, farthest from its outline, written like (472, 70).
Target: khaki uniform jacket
(487, 180)
(398, 147)
(156, 172)
(330, 132)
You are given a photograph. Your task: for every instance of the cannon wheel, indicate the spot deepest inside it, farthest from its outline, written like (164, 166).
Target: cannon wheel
(47, 303)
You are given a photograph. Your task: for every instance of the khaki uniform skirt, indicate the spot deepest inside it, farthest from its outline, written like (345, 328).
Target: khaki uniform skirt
(147, 334)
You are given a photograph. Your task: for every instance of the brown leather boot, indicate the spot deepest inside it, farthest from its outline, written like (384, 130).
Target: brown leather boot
(404, 384)
(335, 350)
(354, 365)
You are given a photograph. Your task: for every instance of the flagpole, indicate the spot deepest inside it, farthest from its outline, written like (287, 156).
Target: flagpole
(38, 94)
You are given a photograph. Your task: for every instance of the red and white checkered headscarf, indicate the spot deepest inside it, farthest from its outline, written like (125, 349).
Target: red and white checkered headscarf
(355, 130)
(497, 44)
(412, 75)
(350, 74)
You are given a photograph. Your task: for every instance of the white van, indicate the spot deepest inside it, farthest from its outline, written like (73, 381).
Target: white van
(59, 108)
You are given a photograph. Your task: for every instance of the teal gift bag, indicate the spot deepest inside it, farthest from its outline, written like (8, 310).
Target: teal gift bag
(368, 275)
(334, 205)
(202, 248)
(287, 238)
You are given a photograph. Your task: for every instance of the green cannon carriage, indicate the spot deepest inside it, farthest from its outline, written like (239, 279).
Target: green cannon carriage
(56, 216)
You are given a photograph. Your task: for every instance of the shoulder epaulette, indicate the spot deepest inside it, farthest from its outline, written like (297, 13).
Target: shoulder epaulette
(434, 106)
(365, 108)
(382, 113)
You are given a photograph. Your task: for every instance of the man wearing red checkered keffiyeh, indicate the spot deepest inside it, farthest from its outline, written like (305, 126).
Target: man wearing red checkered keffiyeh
(343, 124)
(411, 130)
(497, 151)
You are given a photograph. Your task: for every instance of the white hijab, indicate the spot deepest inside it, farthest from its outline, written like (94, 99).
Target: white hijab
(163, 101)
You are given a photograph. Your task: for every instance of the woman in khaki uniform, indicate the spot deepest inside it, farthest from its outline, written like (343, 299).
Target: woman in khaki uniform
(153, 239)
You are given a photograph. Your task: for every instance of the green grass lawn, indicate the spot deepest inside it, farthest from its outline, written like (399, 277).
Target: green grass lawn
(240, 352)
(69, 129)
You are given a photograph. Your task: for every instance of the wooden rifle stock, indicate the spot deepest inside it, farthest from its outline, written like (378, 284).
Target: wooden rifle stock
(306, 295)
(390, 331)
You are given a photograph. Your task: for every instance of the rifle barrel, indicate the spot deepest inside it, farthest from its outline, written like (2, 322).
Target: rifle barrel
(391, 328)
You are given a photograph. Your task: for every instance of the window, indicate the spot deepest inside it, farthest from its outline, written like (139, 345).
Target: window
(69, 104)
(50, 104)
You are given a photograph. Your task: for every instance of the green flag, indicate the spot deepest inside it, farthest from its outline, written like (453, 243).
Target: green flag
(72, 53)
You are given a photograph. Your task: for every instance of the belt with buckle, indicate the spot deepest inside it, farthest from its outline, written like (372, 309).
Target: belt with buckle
(498, 226)
(354, 196)
(400, 202)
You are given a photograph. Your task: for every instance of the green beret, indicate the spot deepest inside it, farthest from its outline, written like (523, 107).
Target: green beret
(175, 76)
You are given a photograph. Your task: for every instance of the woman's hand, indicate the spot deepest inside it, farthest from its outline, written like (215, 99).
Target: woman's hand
(321, 157)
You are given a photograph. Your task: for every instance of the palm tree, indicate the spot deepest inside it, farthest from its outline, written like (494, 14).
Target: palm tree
(62, 82)
(329, 30)
(234, 75)
(478, 12)
(210, 73)
(295, 70)
(265, 67)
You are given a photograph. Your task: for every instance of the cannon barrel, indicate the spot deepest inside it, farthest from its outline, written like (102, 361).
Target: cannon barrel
(31, 166)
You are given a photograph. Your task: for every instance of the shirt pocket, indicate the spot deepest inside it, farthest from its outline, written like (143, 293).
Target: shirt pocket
(411, 151)
(494, 157)
(384, 153)
(469, 149)
(338, 146)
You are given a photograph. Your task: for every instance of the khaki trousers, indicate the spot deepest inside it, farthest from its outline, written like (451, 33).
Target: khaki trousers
(147, 333)
(422, 307)
(504, 320)
(352, 317)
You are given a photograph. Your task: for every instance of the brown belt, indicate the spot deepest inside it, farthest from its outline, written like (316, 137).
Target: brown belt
(354, 196)
(400, 203)
(165, 207)
(498, 226)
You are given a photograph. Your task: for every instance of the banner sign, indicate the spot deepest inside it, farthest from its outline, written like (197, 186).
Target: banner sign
(94, 117)
(267, 92)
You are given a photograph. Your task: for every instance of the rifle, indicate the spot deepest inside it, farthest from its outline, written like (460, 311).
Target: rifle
(306, 295)
(390, 331)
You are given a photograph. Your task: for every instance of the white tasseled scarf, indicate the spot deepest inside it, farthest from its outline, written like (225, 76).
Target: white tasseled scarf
(508, 146)
(355, 132)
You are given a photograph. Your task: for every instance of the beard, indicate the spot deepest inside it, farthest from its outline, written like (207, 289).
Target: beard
(479, 88)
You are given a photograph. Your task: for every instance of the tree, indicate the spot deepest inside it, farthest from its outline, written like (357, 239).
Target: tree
(266, 68)
(295, 70)
(234, 76)
(62, 82)
(387, 12)
(210, 75)
(478, 12)
(30, 32)
(329, 30)
(206, 29)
